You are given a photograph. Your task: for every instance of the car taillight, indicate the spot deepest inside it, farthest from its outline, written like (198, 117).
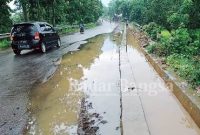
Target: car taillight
(37, 36)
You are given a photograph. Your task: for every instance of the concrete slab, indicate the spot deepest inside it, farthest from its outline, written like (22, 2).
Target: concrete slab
(133, 117)
(153, 108)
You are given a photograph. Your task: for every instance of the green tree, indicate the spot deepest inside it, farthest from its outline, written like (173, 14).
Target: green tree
(5, 21)
(60, 11)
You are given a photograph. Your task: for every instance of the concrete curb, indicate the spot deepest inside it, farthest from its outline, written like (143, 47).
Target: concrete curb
(187, 101)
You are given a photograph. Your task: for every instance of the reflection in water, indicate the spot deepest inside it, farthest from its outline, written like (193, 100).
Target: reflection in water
(102, 87)
(54, 107)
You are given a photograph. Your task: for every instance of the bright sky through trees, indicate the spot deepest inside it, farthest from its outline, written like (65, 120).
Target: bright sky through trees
(105, 2)
(11, 5)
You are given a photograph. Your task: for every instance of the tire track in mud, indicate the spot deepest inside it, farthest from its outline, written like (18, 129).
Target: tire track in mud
(88, 123)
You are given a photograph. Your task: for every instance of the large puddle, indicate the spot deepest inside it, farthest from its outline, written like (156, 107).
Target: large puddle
(83, 94)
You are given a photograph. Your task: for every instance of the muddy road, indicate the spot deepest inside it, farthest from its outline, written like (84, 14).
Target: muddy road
(81, 81)
(102, 86)
(19, 74)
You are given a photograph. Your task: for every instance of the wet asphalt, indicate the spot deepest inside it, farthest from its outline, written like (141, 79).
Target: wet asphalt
(19, 74)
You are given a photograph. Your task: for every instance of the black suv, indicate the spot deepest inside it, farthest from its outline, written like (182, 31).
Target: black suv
(33, 35)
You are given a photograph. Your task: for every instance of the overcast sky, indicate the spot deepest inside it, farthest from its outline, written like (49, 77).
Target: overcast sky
(105, 2)
(12, 6)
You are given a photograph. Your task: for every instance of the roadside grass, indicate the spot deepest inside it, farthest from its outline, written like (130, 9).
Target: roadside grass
(4, 44)
(90, 25)
(180, 49)
(70, 30)
(185, 68)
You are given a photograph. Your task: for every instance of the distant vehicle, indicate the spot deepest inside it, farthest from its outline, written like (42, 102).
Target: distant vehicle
(81, 28)
(33, 35)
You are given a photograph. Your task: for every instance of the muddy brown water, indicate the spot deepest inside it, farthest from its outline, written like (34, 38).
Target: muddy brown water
(55, 105)
(83, 96)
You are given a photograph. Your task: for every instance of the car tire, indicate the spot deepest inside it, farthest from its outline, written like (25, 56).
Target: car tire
(43, 48)
(58, 43)
(17, 52)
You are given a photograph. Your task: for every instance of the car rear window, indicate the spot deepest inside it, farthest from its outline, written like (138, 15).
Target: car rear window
(28, 28)
(42, 27)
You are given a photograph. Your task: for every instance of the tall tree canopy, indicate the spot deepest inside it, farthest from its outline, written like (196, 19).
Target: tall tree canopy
(5, 21)
(52, 11)
(174, 25)
(168, 13)
(60, 11)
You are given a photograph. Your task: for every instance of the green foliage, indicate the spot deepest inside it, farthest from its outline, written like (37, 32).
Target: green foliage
(186, 68)
(4, 44)
(174, 25)
(195, 34)
(194, 47)
(151, 48)
(177, 20)
(179, 41)
(158, 11)
(90, 25)
(61, 11)
(165, 35)
(152, 29)
(170, 14)
(157, 48)
(85, 10)
(62, 29)
(53, 11)
(181, 47)
(138, 12)
(17, 17)
(5, 21)
(180, 50)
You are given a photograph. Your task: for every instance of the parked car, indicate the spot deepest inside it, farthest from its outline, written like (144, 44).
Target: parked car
(33, 35)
